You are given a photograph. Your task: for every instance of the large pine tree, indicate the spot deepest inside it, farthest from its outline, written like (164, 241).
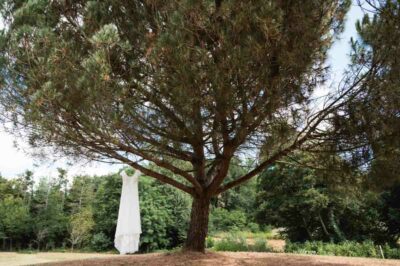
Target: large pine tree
(186, 85)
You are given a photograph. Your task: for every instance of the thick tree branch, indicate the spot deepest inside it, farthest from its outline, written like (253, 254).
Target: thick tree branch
(303, 135)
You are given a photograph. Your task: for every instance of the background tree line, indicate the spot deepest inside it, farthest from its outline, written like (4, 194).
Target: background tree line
(308, 202)
(54, 213)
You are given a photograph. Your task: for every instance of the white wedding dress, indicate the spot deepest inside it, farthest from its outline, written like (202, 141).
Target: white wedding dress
(128, 227)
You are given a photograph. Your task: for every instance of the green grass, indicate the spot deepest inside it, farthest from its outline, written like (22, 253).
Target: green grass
(246, 234)
(238, 242)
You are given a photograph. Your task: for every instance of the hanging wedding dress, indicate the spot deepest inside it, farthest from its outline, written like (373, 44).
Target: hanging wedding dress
(128, 227)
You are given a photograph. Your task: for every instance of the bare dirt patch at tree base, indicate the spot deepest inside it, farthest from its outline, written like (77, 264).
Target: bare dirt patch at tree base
(229, 258)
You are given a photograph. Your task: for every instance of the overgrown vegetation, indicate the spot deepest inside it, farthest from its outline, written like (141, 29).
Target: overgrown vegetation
(346, 248)
(327, 206)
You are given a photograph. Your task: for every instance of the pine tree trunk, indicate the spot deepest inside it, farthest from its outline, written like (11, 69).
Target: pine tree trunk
(198, 227)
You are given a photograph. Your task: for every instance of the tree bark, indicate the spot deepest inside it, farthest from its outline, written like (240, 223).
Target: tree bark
(324, 227)
(198, 227)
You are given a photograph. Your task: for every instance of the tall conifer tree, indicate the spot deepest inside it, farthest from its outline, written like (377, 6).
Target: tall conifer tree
(186, 85)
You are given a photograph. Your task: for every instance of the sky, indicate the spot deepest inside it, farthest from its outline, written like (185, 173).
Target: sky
(14, 161)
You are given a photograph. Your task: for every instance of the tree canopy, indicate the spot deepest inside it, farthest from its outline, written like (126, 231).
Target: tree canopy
(194, 81)
(367, 128)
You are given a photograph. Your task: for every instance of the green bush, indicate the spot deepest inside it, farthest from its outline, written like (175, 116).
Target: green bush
(236, 242)
(225, 220)
(253, 227)
(260, 245)
(232, 242)
(100, 242)
(391, 253)
(155, 221)
(346, 248)
(209, 242)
